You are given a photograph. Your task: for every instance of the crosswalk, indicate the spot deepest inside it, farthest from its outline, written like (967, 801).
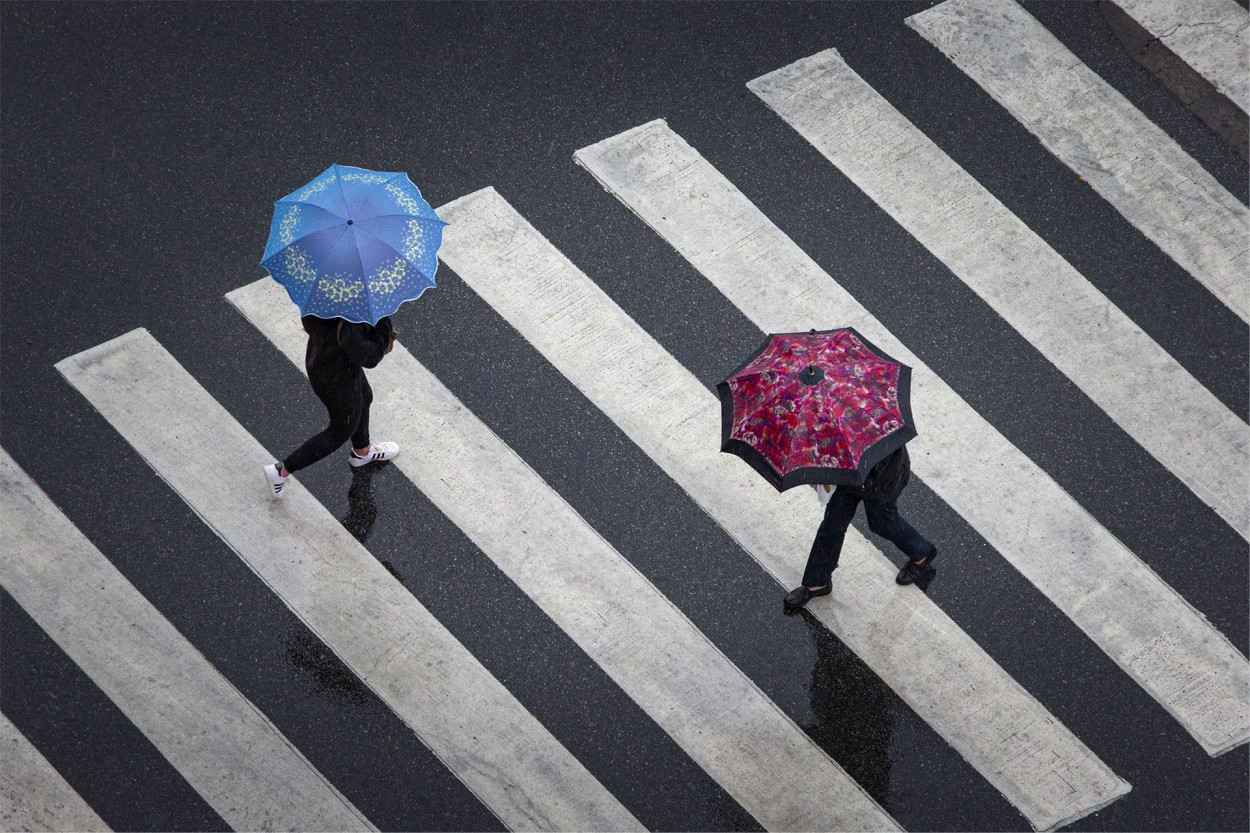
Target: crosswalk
(345, 596)
(1217, 50)
(179, 701)
(1017, 274)
(33, 795)
(906, 640)
(524, 772)
(1123, 156)
(1047, 537)
(653, 652)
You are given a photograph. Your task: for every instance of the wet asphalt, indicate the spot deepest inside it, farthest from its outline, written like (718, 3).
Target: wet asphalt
(141, 147)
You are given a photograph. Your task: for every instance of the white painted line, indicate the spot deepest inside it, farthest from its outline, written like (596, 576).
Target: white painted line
(1211, 36)
(341, 592)
(1123, 606)
(653, 652)
(1117, 365)
(219, 741)
(1097, 133)
(906, 639)
(33, 795)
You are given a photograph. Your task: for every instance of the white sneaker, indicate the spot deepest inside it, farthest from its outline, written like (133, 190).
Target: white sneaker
(378, 452)
(275, 479)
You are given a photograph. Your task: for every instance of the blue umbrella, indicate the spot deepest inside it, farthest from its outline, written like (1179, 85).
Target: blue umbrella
(354, 244)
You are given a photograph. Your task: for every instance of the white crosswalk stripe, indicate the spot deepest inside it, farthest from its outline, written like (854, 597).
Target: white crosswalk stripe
(903, 636)
(618, 617)
(750, 747)
(344, 595)
(1027, 282)
(1096, 132)
(1211, 36)
(235, 758)
(1122, 605)
(33, 795)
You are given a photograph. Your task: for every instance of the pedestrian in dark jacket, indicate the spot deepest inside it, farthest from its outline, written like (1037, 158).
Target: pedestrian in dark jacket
(880, 491)
(338, 352)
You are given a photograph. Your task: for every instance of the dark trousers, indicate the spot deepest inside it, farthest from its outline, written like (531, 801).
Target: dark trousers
(883, 519)
(348, 406)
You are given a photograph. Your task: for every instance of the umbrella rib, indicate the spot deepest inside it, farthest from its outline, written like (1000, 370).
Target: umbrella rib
(301, 237)
(363, 277)
(314, 285)
(338, 180)
(395, 252)
(396, 176)
(304, 204)
(775, 395)
(410, 217)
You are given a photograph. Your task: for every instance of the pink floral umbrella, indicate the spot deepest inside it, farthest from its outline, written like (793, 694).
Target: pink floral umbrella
(816, 407)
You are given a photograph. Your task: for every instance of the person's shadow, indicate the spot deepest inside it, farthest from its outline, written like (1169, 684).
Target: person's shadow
(362, 509)
(305, 651)
(853, 712)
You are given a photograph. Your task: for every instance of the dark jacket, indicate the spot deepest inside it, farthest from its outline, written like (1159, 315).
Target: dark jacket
(336, 356)
(887, 479)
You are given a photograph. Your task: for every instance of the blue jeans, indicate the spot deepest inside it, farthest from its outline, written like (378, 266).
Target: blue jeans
(883, 519)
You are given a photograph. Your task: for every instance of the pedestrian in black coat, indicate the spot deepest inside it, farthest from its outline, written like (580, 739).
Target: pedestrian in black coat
(880, 491)
(337, 355)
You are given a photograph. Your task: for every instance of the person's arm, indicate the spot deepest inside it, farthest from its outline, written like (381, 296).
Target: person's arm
(365, 345)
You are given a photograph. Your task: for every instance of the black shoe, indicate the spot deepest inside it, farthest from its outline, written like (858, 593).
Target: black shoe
(800, 596)
(915, 570)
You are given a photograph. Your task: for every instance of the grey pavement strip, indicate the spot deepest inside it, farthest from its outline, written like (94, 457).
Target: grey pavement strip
(33, 795)
(219, 741)
(341, 592)
(1097, 133)
(1023, 279)
(908, 641)
(1120, 603)
(640, 639)
(1211, 36)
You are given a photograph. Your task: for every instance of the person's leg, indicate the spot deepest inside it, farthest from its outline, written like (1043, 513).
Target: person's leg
(823, 558)
(343, 406)
(360, 437)
(884, 519)
(365, 452)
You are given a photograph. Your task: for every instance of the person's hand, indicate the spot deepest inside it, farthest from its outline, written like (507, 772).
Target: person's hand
(390, 341)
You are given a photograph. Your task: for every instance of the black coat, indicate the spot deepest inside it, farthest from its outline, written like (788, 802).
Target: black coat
(336, 357)
(887, 479)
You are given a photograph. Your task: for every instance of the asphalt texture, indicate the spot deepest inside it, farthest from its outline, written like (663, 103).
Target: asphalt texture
(141, 148)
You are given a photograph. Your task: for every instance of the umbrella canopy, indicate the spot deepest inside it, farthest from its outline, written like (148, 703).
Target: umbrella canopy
(816, 407)
(354, 244)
